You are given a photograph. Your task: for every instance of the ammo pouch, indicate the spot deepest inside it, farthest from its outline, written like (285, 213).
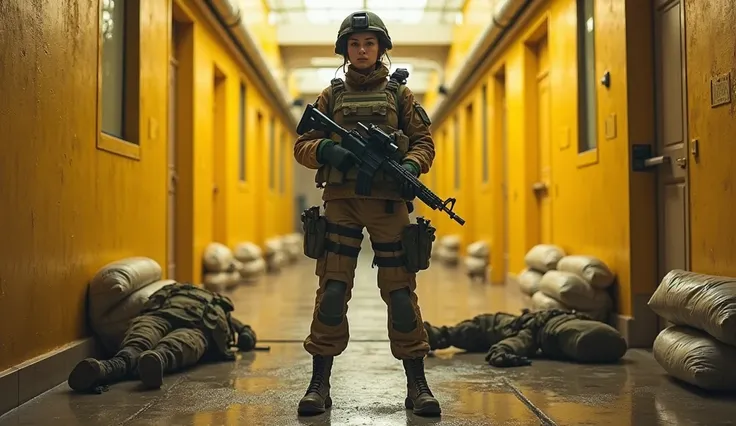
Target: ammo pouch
(417, 240)
(315, 232)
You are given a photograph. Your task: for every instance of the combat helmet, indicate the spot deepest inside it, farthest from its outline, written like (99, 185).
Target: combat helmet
(359, 22)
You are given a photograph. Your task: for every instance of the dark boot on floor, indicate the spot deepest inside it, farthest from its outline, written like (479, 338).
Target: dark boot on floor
(317, 398)
(91, 373)
(151, 368)
(419, 396)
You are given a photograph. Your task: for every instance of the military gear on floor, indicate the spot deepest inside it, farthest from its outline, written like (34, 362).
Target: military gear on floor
(417, 239)
(358, 22)
(317, 397)
(419, 397)
(511, 340)
(178, 326)
(247, 339)
(315, 232)
(346, 219)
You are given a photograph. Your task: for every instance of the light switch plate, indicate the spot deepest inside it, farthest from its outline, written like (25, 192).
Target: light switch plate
(611, 127)
(564, 138)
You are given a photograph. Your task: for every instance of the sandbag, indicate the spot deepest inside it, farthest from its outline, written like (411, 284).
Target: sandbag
(695, 357)
(253, 269)
(573, 291)
(590, 268)
(275, 262)
(544, 257)
(116, 280)
(247, 251)
(451, 242)
(541, 302)
(217, 281)
(529, 281)
(705, 302)
(110, 327)
(479, 249)
(475, 266)
(218, 258)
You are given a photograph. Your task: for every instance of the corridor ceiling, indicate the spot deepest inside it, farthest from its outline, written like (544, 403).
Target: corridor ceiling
(421, 31)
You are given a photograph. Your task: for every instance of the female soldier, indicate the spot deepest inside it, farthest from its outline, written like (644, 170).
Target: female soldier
(368, 96)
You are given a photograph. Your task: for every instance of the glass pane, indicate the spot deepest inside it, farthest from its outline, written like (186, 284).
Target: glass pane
(457, 152)
(113, 66)
(587, 83)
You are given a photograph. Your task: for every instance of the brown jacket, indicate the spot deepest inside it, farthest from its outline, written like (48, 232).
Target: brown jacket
(414, 124)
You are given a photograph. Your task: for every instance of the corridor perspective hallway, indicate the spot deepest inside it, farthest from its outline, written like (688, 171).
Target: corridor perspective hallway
(368, 384)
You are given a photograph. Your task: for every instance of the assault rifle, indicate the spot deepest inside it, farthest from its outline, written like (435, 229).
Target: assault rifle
(377, 151)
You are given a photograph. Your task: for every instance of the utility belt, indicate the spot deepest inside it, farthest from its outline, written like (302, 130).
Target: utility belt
(415, 243)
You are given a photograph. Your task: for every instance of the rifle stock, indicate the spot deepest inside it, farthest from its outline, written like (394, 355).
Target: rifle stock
(378, 151)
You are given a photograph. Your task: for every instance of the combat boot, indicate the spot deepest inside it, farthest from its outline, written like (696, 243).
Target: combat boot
(151, 368)
(317, 398)
(419, 396)
(90, 373)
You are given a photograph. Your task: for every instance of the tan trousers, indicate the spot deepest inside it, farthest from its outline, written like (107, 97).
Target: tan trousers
(384, 227)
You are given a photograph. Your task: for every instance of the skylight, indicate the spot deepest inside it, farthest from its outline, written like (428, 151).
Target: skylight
(331, 11)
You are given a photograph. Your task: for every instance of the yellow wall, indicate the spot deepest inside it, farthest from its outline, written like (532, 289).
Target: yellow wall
(69, 208)
(254, 211)
(475, 18)
(591, 193)
(712, 180)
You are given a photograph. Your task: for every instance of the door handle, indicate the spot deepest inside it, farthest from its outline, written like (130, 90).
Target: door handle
(656, 161)
(539, 186)
(681, 162)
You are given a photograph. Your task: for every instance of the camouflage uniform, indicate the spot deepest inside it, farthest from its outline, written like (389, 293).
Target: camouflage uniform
(179, 325)
(510, 340)
(389, 104)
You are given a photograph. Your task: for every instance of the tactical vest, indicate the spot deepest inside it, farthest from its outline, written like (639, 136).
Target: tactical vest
(381, 107)
(189, 306)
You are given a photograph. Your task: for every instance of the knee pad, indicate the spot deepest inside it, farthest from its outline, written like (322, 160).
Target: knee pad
(403, 317)
(332, 303)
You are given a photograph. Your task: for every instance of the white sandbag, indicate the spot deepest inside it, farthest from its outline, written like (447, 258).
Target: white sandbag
(253, 269)
(705, 302)
(479, 249)
(274, 245)
(234, 279)
(529, 281)
(451, 242)
(541, 302)
(247, 251)
(475, 266)
(217, 281)
(544, 257)
(217, 258)
(110, 327)
(116, 280)
(696, 358)
(573, 291)
(592, 269)
(275, 262)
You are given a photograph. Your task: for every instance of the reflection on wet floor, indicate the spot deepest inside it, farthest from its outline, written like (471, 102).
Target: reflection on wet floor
(368, 384)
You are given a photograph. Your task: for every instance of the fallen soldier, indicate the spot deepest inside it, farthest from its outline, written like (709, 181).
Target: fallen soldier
(179, 325)
(510, 340)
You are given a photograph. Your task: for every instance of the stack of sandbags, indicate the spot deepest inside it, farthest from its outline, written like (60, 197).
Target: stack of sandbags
(540, 259)
(477, 260)
(578, 283)
(250, 256)
(448, 250)
(275, 255)
(221, 268)
(293, 247)
(117, 294)
(700, 348)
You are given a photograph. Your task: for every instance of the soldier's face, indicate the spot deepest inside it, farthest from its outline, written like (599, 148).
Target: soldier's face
(363, 50)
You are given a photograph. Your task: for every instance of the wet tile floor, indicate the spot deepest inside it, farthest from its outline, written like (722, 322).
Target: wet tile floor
(368, 387)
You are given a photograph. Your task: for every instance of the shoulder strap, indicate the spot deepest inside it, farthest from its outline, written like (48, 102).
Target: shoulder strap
(396, 85)
(337, 86)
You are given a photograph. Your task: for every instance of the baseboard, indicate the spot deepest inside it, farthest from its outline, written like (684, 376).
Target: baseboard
(26, 381)
(641, 329)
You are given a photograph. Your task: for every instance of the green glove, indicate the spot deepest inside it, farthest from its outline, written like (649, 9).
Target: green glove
(407, 191)
(329, 152)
